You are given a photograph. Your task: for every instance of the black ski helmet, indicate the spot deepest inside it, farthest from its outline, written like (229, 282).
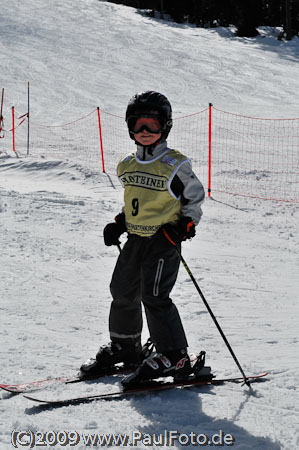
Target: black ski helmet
(147, 101)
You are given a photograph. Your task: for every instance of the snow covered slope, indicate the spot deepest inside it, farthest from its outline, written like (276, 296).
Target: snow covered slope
(55, 269)
(81, 54)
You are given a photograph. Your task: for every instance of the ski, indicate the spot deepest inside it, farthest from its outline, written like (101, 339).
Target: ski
(118, 369)
(149, 387)
(32, 386)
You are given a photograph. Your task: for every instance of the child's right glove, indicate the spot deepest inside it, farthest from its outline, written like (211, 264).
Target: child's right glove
(113, 230)
(180, 231)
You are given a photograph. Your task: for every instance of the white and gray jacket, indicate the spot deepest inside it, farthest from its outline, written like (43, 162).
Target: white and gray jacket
(185, 184)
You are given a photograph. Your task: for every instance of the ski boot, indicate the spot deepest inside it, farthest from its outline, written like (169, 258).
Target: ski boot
(108, 358)
(173, 363)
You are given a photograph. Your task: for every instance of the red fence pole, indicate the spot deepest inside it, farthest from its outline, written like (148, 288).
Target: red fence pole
(13, 129)
(101, 140)
(210, 149)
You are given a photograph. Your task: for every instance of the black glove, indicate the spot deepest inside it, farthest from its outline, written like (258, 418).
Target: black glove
(113, 230)
(180, 231)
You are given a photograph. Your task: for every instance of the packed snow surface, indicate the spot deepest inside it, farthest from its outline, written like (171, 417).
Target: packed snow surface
(55, 268)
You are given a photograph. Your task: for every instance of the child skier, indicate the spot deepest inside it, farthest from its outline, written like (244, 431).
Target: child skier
(162, 206)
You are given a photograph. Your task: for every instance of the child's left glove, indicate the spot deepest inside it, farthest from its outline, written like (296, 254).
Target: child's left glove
(113, 230)
(180, 231)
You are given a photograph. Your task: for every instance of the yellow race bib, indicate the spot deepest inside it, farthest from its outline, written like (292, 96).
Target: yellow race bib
(149, 201)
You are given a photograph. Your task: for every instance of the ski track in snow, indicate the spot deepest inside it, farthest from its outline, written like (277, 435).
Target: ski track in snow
(55, 269)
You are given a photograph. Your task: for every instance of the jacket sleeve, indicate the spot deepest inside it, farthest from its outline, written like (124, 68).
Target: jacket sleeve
(192, 192)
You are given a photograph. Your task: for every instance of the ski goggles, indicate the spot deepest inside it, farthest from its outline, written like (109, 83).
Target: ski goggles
(149, 122)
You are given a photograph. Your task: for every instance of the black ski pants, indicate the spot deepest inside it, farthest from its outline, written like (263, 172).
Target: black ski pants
(145, 272)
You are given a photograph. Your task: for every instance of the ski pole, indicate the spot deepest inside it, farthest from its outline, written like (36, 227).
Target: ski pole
(246, 381)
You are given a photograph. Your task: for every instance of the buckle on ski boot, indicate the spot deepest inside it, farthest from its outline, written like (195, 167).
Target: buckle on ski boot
(147, 349)
(202, 372)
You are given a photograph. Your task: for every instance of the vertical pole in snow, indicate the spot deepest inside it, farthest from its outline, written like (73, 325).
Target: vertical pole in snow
(1, 116)
(210, 149)
(2, 99)
(28, 122)
(13, 129)
(101, 140)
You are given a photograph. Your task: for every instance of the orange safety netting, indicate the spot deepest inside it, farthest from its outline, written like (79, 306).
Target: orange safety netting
(230, 153)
